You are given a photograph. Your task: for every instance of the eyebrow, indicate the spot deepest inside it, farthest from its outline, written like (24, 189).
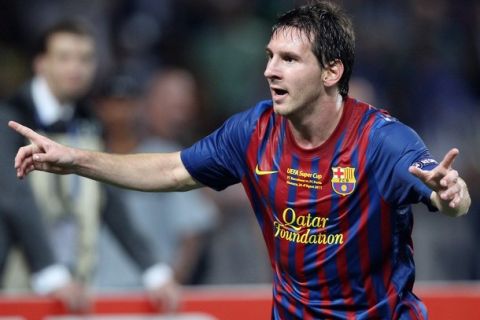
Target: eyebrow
(283, 53)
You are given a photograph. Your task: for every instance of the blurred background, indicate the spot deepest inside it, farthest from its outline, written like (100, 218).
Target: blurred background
(178, 69)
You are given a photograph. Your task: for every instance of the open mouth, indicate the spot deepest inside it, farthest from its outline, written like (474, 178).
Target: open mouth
(279, 92)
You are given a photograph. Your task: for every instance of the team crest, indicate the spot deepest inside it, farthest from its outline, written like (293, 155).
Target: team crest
(343, 180)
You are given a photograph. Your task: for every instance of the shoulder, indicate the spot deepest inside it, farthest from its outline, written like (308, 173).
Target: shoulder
(379, 116)
(390, 135)
(389, 127)
(384, 132)
(381, 121)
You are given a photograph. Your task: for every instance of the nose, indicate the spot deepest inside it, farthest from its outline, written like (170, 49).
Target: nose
(271, 70)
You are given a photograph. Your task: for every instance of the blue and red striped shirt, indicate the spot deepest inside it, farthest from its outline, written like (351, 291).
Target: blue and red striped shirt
(336, 219)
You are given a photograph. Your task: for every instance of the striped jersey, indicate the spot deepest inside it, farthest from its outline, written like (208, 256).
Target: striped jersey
(336, 219)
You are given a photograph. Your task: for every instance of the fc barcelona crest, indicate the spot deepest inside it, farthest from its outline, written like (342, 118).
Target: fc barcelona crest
(343, 180)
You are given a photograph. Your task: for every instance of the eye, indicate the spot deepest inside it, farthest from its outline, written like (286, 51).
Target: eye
(289, 58)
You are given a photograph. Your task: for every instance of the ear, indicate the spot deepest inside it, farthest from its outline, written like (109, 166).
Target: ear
(332, 73)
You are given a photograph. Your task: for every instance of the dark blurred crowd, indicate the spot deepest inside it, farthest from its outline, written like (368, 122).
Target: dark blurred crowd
(177, 69)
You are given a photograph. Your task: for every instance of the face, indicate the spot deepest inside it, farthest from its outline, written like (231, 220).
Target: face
(68, 65)
(172, 103)
(293, 72)
(117, 112)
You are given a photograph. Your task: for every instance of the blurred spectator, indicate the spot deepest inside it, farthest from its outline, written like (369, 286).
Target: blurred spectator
(235, 255)
(71, 206)
(238, 252)
(179, 223)
(117, 106)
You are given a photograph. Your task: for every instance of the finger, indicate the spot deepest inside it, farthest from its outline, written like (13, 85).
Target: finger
(449, 158)
(20, 174)
(28, 162)
(40, 157)
(455, 202)
(23, 167)
(459, 196)
(450, 178)
(25, 131)
(419, 173)
(450, 193)
(22, 154)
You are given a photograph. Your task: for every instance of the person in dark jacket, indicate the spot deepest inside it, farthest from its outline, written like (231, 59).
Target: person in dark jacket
(54, 222)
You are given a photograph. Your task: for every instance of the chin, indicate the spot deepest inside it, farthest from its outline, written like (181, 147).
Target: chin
(74, 94)
(281, 109)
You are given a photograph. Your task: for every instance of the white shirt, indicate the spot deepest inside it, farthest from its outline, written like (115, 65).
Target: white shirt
(49, 109)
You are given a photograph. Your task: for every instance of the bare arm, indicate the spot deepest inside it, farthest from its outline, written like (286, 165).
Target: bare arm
(449, 191)
(145, 172)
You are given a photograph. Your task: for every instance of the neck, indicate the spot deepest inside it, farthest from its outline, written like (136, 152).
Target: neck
(63, 100)
(312, 127)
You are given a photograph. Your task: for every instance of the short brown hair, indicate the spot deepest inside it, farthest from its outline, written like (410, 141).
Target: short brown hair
(76, 27)
(331, 33)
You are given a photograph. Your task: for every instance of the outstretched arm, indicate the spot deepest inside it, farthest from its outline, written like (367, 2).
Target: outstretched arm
(145, 172)
(449, 191)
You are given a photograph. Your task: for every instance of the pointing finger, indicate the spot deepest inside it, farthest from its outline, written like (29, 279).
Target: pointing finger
(449, 158)
(25, 131)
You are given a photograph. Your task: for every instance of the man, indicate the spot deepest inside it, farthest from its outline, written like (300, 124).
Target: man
(71, 206)
(156, 122)
(330, 179)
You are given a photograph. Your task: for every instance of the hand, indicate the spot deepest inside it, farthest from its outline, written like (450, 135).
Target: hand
(74, 297)
(450, 189)
(42, 154)
(166, 297)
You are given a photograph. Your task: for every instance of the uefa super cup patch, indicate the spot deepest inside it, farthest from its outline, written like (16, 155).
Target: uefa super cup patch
(343, 180)
(424, 162)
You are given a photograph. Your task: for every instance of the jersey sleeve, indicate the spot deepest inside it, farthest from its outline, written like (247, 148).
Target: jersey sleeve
(395, 147)
(218, 160)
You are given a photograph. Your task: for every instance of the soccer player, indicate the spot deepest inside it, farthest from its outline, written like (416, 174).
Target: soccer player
(330, 178)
